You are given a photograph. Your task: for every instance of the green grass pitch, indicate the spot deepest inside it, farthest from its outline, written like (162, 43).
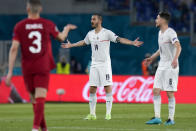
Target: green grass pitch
(69, 117)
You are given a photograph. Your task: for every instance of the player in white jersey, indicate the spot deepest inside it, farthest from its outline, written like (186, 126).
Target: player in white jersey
(166, 77)
(100, 72)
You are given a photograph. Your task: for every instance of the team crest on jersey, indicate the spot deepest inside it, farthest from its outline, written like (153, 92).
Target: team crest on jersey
(174, 38)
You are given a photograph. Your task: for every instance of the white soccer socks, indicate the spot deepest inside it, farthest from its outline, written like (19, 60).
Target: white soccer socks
(92, 103)
(109, 100)
(157, 106)
(171, 107)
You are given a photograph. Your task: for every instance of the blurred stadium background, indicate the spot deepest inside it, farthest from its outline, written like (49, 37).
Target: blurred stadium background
(127, 18)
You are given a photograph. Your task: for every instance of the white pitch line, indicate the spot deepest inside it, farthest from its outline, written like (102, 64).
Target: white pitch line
(113, 129)
(91, 128)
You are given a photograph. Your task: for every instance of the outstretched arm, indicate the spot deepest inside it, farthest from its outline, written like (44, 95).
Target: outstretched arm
(129, 42)
(69, 45)
(63, 35)
(149, 60)
(12, 58)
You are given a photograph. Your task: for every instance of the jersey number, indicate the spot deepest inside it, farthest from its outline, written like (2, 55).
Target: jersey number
(37, 41)
(96, 47)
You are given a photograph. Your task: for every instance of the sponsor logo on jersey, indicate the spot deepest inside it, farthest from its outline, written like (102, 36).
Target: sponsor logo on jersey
(104, 40)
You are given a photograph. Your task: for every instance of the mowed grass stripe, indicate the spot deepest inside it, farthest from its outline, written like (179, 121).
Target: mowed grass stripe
(69, 117)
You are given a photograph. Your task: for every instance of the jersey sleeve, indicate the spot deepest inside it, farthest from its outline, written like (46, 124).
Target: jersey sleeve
(173, 36)
(53, 29)
(86, 39)
(16, 33)
(112, 36)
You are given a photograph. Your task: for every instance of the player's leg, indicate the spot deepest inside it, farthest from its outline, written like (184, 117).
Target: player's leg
(106, 81)
(157, 102)
(92, 103)
(41, 81)
(93, 100)
(43, 122)
(157, 99)
(29, 82)
(171, 87)
(157, 107)
(94, 82)
(171, 107)
(40, 95)
(109, 101)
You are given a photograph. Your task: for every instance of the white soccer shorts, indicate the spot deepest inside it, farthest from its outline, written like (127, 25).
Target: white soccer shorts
(166, 80)
(100, 76)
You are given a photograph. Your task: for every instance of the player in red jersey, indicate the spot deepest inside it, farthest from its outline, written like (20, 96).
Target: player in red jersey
(33, 36)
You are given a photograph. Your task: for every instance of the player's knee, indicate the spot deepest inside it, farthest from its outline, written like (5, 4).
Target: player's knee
(156, 92)
(108, 89)
(40, 92)
(93, 89)
(170, 94)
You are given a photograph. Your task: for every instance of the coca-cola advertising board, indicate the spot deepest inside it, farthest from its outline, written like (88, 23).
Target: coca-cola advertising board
(125, 89)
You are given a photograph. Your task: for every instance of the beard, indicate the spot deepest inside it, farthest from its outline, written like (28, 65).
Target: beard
(94, 25)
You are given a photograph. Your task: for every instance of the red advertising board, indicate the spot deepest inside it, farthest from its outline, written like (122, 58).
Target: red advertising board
(126, 89)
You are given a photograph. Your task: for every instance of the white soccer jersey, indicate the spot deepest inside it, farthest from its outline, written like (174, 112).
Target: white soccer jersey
(167, 48)
(100, 45)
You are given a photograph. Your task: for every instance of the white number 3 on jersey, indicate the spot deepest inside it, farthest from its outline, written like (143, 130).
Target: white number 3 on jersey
(37, 41)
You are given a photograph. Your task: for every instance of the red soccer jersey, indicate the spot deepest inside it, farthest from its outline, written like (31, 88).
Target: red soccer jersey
(34, 37)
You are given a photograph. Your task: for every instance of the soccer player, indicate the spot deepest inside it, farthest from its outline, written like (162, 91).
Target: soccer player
(166, 77)
(33, 36)
(100, 70)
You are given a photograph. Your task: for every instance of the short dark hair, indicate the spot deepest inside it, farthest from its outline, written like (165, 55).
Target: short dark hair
(34, 5)
(165, 15)
(99, 16)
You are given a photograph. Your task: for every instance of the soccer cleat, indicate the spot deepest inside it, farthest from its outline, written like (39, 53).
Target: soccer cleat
(154, 120)
(169, 122)
(35, 129)
(108, 117)
(90, 117)
(44, 129)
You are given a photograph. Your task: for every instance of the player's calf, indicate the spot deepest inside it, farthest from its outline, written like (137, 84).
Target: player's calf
(39, 121)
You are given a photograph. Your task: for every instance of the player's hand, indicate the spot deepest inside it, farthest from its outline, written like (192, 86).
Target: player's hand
(70, 27)
(8, 79)
(148, 61)
(174, 64)
(137, 43)
(66, 45)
